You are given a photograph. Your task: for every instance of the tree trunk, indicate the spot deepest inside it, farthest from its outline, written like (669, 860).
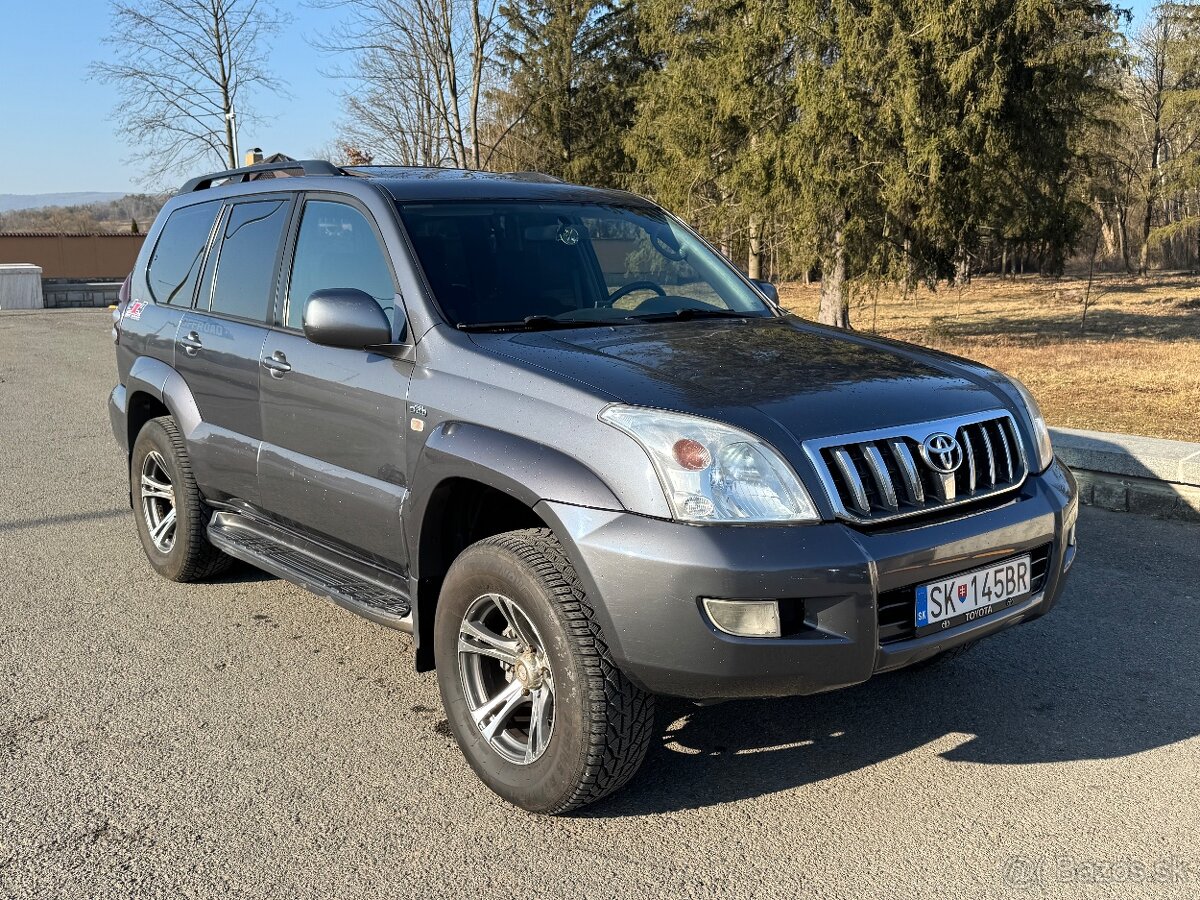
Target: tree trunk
(1144, 253)
(1123, 237)
(835, 302)
(754, 262)
(224, 80)
(1107, 232)
(478, 52)
(1151, 192)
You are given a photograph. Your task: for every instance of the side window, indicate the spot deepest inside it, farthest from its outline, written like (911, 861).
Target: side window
(246, 265)
(337, 248)
(175, 264)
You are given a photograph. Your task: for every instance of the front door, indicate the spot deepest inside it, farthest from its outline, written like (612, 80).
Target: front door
(332, 462)
(219, 342)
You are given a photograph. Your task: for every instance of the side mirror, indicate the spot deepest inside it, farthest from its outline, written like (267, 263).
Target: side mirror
(345, 317)
(767, 288)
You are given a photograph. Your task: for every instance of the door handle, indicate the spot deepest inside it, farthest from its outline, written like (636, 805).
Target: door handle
(277, 364)
(191, 344)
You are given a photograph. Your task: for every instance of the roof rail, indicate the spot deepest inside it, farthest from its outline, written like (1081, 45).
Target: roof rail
(307, 166)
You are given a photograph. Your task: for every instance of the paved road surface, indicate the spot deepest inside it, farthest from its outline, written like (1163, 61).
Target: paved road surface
(245, 739)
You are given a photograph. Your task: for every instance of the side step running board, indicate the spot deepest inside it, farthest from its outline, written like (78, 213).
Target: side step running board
(357, 586)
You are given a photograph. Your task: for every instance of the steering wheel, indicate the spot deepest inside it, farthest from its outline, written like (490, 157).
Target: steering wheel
(635, 286)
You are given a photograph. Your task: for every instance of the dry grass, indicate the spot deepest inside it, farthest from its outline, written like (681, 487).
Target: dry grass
(1135, 368)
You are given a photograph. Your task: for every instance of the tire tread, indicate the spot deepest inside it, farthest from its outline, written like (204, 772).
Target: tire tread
(621, 715)
(201, 560)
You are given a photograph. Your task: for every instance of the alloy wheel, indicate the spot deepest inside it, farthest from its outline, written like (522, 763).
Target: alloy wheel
(506, 678)
(158, 501)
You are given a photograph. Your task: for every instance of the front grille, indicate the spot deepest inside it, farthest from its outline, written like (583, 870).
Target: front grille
(897, 608)
(872, 477)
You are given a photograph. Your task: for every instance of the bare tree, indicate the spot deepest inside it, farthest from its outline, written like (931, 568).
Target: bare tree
(1165, 92)
(420, 70)
(184, 70)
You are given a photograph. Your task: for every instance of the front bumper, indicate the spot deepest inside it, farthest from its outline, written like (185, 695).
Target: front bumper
(647, 577)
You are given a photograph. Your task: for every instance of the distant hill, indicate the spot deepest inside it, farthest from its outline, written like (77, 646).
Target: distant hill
(116, 215)
(9, 202)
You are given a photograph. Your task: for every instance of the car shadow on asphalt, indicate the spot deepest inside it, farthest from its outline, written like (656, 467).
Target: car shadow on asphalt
(243, 573)
(66, 519)
(1110, 672)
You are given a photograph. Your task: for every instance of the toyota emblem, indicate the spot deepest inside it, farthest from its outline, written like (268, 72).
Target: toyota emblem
(942, 452)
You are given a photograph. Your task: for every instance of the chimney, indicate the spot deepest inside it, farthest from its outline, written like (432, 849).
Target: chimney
(254, 156)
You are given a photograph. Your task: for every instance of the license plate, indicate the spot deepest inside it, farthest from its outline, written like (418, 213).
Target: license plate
(971, 595)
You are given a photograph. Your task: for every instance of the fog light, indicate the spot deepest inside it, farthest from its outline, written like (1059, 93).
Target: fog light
(744, 618)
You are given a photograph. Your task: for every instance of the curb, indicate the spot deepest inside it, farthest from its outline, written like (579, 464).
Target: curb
(1130, 473)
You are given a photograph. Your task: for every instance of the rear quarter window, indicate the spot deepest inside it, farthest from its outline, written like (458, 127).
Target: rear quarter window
(179, 253)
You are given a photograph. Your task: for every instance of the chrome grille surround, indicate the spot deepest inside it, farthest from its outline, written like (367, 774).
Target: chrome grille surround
(881, 475)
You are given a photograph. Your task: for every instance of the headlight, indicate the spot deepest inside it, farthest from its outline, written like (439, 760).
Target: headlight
(713, 472)
(1041, 434)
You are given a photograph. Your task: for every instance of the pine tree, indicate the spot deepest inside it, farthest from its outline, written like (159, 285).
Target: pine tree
(571, 65)
(707, 140)
(922, 126)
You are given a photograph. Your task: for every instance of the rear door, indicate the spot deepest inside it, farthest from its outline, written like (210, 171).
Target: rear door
(164, 292)
(218, 344)
(333, 461)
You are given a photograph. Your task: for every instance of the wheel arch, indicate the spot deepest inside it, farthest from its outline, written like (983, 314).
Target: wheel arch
(154, 388)
(474, 482)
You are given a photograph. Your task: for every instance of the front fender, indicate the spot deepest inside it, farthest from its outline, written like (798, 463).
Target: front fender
(525, 470)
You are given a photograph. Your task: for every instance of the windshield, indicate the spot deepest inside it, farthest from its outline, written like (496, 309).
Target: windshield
(511, 265)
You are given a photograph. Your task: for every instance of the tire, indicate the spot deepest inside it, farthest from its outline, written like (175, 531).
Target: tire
(162, 484)
(597, 724)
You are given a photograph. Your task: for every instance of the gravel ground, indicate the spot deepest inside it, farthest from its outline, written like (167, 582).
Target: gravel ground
(246, 739)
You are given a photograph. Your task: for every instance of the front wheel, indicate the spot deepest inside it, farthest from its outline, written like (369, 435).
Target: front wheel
(541, 712)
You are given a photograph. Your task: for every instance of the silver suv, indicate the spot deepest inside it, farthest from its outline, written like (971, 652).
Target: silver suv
(551, 433)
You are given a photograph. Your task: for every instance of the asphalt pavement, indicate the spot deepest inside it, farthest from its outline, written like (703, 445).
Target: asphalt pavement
(247, 739)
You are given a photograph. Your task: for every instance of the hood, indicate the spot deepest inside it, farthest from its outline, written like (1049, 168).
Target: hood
(812, 381)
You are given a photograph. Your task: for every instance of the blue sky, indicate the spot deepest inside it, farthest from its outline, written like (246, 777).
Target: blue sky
(57, 133)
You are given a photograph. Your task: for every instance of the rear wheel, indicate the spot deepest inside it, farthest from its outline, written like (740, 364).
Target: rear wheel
(171, 516)
(531, 694)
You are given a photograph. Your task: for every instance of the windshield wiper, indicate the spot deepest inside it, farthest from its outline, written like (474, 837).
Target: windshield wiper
(538, 323)
(682, 315)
